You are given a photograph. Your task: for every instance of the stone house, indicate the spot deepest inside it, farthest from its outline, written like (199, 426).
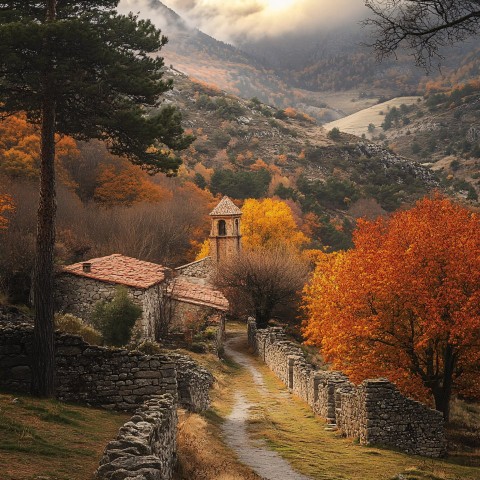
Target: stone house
(81, 285)
(189, 287)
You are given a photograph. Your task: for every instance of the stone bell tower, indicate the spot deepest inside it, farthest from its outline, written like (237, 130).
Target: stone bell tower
(225, 238)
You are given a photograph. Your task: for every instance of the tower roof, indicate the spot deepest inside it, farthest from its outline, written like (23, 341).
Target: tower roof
(225, 207)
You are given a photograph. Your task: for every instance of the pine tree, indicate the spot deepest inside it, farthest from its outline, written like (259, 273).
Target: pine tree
(78, 68)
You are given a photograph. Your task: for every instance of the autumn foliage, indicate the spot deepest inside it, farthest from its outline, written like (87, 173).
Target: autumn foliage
(270, 223)
(122, 183)
(6, 205)
(404, 303)
(20, 150)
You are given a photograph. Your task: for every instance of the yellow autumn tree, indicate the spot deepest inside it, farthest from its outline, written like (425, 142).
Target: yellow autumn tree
(204, 250)
(270, 224)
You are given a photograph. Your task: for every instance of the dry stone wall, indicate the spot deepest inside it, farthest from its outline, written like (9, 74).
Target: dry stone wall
(194, 383)
(145, 448)
(103, 377)
(374, 412)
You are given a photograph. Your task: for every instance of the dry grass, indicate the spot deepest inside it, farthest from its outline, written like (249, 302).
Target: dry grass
(290, 428)
(203, 455)
(463, 433)
(357, 123)
(53, 441)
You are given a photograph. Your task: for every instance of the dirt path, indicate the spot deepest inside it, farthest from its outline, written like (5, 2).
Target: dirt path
(266, 463)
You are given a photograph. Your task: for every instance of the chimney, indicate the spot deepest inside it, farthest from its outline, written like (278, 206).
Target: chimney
(87, 267)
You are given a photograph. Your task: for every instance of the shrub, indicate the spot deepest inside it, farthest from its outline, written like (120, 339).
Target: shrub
(115, 319)
(148, 347)
(455, 165)
(69, 323)
(334, 134)
(198, 348)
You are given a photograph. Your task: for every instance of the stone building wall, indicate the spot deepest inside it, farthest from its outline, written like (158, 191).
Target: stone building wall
(186, 312)
(151, 309)
(201, 269)
(103, 377)
(145, 448)
(375, 412)
(78, 295)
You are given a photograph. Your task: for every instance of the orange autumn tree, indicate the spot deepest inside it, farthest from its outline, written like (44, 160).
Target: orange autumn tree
(122, 183)
(404, 303)
(20, 150)
(6, 205)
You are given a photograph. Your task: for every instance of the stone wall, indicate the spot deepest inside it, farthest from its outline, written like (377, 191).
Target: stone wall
(78, 295)
(185, 314)
(145, 448)
(194, 383)
(103, 377)
(377, 413)
(374, 412)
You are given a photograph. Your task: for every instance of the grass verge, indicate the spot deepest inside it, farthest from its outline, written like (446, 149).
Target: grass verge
(49, 440)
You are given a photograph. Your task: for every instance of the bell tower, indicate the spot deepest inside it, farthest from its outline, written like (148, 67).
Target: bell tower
(225, 238)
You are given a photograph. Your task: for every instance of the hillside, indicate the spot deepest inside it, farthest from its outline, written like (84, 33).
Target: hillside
(358, 123)
(248, 149)
(442, 132)
(326, 73)
(231, 69)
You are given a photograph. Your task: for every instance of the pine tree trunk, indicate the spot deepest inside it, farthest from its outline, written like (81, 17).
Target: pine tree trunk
(43, 364)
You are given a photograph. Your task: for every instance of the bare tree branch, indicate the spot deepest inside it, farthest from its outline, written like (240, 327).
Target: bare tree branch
(423, 26)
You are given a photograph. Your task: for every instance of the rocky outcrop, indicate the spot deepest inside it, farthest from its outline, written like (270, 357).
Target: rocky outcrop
(388, 158)
(374, 412)
(145, 448)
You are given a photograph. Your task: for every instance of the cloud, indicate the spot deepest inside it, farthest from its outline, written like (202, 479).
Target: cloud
(233, 20)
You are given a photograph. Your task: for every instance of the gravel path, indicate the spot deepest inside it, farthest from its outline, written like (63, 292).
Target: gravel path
(266, 463)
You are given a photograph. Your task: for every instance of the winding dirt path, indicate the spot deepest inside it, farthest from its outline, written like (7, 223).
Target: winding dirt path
(266, 463)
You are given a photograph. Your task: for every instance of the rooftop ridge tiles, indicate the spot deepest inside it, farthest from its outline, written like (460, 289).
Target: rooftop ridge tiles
(225, 207)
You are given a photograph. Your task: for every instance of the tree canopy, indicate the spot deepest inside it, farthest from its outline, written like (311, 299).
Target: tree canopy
(270, 224)
(424, 26)
(262, 282)
(104, 73)
(404, 303)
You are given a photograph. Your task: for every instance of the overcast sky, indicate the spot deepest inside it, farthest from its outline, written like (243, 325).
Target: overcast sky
(229, 20)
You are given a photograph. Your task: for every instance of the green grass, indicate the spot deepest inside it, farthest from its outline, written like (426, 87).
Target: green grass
(48, 439)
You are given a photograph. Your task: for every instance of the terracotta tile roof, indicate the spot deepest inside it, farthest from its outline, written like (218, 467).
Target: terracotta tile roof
(119, 269)
(225, 207)
(197, 294)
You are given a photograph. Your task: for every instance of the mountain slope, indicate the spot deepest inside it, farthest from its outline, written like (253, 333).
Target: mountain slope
(442, 132)
(248, 149)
